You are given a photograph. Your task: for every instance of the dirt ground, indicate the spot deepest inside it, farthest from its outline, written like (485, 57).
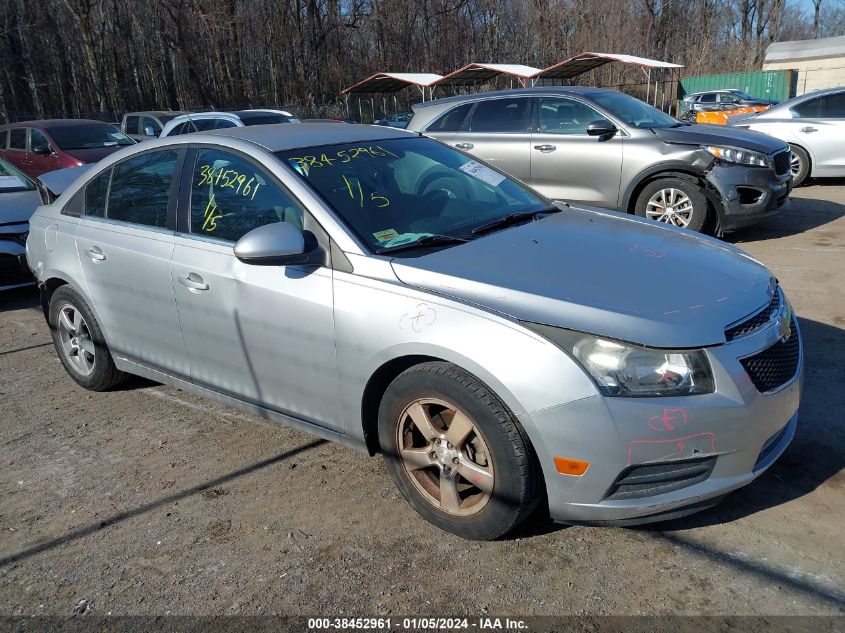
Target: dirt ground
(149, 500)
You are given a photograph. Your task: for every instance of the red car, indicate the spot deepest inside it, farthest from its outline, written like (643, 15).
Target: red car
(36, 147)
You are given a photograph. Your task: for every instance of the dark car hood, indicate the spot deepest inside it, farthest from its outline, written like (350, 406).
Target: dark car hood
(720, 135)
(18, 206)
(92, 155)
(603, 273)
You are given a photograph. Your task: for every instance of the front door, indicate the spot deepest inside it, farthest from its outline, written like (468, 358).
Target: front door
(124, 243)
(41, 155)
(567, 163)
(498, 132)
(264, 334)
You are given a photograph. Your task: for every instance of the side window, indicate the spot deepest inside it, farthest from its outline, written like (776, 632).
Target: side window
(140, 189)
(131, 125)
(565, 116)
(452, 120)
(4, 139)
(230, 197)
(38, 143)
(96, 193)
(180, 129)
(832, 106)
(201, 125)
(17, 138)
(728, 98)
(222, 124)
(808, 109)
(149, 124)
(501, 115)
(707, 98)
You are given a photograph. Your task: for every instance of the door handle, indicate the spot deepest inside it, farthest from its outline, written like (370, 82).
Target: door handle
(808, 129)
(193, 282)
(95, 254)
(546, 147)
(464, 145)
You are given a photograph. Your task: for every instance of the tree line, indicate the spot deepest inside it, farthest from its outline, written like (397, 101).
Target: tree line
(78, 57)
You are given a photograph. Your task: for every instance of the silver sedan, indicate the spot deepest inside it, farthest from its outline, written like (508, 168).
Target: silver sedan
(378, 288)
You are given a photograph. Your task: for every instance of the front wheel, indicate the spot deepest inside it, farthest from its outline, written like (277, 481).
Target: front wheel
(676, 201)
(456, 453)
(799, 165)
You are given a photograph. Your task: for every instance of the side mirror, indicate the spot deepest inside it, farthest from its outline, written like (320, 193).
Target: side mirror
(149, 131)
(42, 150)
(276, 244)
(602, 127)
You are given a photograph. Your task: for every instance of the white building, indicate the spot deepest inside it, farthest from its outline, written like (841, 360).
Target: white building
(819, 63)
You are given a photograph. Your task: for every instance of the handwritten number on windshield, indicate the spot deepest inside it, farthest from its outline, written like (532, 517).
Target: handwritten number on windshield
(356, 192)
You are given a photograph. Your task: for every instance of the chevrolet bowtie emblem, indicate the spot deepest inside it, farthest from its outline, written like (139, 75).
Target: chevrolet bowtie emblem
(784, 323)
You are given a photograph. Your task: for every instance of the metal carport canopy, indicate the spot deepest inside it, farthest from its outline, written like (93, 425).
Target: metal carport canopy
(584, 62)
(392, 82)
(476, 73)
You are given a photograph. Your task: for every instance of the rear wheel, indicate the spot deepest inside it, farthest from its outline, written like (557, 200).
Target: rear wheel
(80, 342)
(456, 453)
(799, 165)
(676, 200)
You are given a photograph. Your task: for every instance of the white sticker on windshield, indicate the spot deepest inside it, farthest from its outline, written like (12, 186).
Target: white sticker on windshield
(11, 182)
(482, 172)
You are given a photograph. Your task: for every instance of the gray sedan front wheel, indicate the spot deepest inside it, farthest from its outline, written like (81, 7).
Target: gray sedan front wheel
(456, 453)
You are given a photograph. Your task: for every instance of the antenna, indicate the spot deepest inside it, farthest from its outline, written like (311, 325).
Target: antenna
(187, 114)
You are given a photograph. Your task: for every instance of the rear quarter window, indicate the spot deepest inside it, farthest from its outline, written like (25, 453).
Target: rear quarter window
(96, 193)
(452, 120)
(131, 125)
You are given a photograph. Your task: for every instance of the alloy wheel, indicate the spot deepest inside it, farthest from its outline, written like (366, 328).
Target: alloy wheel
(75, 337)
(795, 166)
(445, 456)
(671, 206)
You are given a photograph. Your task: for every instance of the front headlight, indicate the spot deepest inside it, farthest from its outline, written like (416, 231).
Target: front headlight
(625, 369)
(738, 156)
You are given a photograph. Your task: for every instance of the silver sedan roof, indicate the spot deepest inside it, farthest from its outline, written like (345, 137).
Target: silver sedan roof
(286, 136)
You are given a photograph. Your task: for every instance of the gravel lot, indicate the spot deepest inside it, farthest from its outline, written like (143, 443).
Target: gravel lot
(149, 500)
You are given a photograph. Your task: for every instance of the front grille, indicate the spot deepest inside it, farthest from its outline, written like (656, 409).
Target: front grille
(12, 271)
(775, 365)
(781, 162)
(647, 480)
(756, 321)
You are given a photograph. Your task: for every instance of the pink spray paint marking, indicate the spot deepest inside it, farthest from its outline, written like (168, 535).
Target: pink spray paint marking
(669, 420)
(671, 447)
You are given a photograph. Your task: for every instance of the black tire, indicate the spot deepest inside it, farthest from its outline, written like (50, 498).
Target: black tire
(799, 154)
(701, 210)
(104, 374)
(518, 482)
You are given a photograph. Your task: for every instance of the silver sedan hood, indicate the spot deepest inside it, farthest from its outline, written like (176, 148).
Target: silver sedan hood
(603, 273)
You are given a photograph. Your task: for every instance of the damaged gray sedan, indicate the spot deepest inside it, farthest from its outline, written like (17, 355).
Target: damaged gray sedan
(378, 288)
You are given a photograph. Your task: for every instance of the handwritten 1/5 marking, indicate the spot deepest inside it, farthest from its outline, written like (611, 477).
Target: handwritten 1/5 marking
(343, 156)
(373, 196)
(229, 178)
(211, 216)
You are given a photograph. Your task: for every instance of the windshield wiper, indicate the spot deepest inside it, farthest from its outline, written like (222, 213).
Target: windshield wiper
(425, 240)
(512, 218)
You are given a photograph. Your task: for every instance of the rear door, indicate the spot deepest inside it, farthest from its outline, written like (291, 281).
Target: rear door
(499, 132)
(125, 243)
(568, 164)
(264, 334)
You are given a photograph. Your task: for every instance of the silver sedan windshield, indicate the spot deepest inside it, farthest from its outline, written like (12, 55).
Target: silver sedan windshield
(401, 191)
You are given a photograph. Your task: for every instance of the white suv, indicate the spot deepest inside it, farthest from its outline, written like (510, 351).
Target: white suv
(205, 121)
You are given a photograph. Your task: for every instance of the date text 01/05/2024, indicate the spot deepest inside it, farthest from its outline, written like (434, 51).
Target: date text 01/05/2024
(417, 624)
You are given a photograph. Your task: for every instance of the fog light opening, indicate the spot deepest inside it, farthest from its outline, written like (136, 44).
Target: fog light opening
(749, 195)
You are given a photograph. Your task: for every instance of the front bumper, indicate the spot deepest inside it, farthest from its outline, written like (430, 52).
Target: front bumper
(696, 448)
(747, 195)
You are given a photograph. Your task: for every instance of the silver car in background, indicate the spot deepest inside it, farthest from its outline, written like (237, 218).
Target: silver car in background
(484, 342)
(813, 125)
(606, 148)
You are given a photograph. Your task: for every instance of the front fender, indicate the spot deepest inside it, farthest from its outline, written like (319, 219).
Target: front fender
(377, 322)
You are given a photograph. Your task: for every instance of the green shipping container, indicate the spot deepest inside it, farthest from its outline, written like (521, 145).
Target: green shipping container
(778, 85)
